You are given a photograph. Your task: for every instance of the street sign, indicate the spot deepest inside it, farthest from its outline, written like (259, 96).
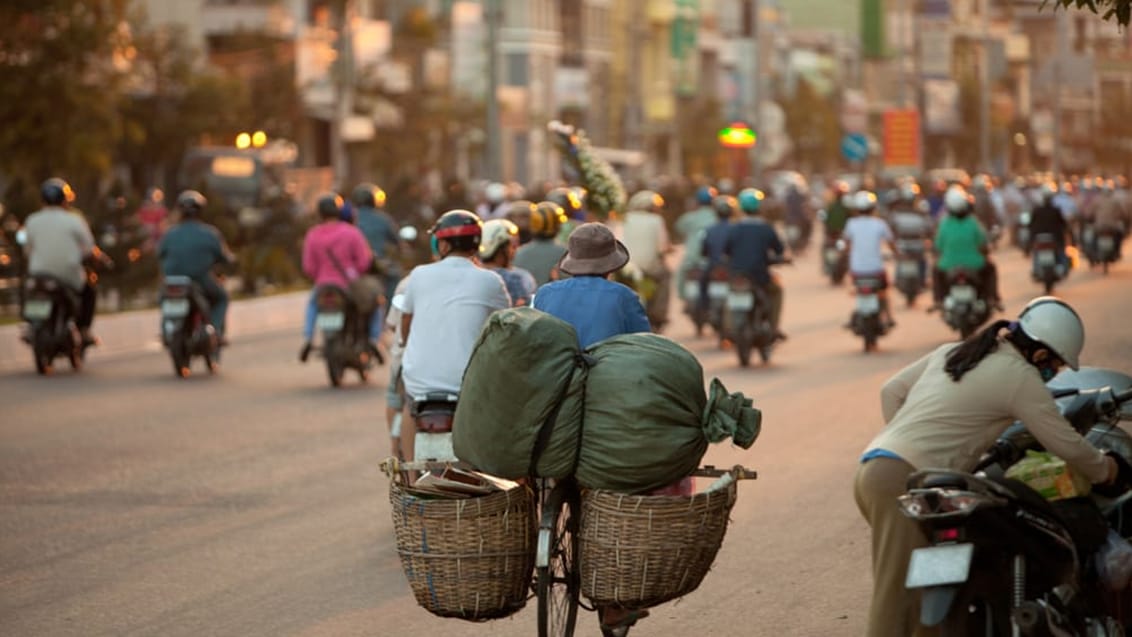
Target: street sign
(901, 138)
(855, 147)
(737, 135)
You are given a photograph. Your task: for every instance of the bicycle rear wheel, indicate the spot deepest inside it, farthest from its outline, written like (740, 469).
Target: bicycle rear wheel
(556, 563)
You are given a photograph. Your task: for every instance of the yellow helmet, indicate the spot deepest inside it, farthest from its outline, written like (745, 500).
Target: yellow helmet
(547, 219)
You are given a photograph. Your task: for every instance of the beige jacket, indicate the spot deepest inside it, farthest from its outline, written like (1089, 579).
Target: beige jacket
(934, 422)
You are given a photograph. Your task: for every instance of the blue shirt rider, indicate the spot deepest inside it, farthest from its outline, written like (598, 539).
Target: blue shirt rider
(752, 245)
(714, 241)
(380, 231)
(192, 248)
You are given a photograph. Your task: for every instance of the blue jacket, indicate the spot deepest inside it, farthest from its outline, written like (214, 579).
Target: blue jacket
(714, 241)
(751, 244)
(597, 308)
(379, 229)
(191, 248)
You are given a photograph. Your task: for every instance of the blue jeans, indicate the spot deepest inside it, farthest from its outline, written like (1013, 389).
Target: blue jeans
(375, 319)
(217, 298)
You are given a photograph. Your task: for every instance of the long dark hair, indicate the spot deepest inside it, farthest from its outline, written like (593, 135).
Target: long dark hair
(974, 349)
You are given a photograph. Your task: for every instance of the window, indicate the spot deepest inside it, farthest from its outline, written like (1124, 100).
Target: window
(570, 19)
(517, 69)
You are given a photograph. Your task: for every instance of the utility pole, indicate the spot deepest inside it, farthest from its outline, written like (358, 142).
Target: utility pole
(634, 138)
(753, 27)
(1059, 51)
(984, 88)
(343, 93)
(494, 163)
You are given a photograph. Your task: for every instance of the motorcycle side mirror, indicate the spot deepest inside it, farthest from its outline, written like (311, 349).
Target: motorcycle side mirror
(408, 234)
(22, 237)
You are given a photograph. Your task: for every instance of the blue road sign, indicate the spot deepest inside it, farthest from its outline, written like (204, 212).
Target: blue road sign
(855, 147)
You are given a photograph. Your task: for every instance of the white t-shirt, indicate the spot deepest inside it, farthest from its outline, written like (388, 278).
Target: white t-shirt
(646, 238)
(449, 300)
(57, 243)
(866, 235)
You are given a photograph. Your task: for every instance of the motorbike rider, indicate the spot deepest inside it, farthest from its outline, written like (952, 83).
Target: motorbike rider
(988, 204)
(646, 236)
(572, 201)
(943, 411)
(495, 204)
(837, 212)
(796, 213)
(865, 236)
(1111, 215)
(497, 250)
(751, 246)
(444, 308)
(690, 227)
(1048, 217)
(540, 257)
(714, 241)
(334, 253)
(193, 248)
(380, 231)
(519, 213)
(58, 243)
(961, 242)
(908, 217)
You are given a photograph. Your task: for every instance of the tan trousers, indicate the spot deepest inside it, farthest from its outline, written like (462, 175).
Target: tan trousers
(894, 611)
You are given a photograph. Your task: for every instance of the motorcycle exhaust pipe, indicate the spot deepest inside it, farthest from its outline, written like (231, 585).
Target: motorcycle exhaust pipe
(1031, 620)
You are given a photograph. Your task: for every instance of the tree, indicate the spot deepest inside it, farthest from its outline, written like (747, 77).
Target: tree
(812, 123)
(61, 65)
(1118, 10)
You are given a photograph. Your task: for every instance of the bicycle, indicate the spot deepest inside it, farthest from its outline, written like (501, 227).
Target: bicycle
(556, 582)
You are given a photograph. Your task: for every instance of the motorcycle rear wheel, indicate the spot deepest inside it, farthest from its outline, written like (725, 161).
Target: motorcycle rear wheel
(334, 365)
(41, 350)
(179, 353)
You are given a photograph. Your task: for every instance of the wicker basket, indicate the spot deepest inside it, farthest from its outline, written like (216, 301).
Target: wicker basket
(641, 551)
(468, 558)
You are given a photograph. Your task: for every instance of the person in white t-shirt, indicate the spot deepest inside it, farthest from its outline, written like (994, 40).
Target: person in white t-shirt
(445, 306)
(865, 236)
(646, 237)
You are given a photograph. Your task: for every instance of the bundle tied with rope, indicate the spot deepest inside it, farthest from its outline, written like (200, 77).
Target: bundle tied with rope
(605, 192)
(628, 414)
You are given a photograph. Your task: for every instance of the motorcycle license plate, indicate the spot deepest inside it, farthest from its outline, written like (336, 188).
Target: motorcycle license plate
(330, 322)
(868, 303)
(832, 255)
(963, 293)
(907, 268)
(718, 289)
(691, 290)
(175, 308)
(939, 565)
(1105, 244)
(740, 301)
(1046, 257)
(37, 309)
(793, 233)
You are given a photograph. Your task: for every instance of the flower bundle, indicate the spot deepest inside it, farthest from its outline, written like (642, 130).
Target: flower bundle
(604, 192)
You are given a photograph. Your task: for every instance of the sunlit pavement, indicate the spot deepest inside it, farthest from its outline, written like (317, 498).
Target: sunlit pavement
(251, 503)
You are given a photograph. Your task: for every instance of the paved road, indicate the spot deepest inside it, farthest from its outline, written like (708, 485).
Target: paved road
(133, 503)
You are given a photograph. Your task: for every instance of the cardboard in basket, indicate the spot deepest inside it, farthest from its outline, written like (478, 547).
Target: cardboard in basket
(452, 482)
(1049, 475)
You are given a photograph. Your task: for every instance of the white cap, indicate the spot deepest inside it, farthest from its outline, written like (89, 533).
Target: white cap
(1051, 322)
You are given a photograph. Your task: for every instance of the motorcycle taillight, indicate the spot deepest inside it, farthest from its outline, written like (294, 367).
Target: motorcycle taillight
(329, 301)
(720, 274)
(176, 291)
(946, 535)
(865, 290)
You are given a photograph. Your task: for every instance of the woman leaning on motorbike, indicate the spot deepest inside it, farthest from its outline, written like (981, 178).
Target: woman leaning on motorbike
(943, 411)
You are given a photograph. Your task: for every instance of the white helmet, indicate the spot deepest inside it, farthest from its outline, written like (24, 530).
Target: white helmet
(1051, 322)
(1049, 188)
(495, 192)
(496, 234)
(957, 200)
(863, 200)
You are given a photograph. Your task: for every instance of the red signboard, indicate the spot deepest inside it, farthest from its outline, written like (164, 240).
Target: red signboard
(901, 138)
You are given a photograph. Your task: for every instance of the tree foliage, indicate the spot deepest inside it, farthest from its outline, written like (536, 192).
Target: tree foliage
(1119, 11)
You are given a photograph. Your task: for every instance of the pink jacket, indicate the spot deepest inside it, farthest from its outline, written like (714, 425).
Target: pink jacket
(347, 244)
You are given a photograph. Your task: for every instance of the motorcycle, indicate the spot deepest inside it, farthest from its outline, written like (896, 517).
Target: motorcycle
(748, 321)
(434, 413)
(1046, 268)
(866, 320)
(50, 308)
(1002, 559)
(718, 288)
(964, 309)
(345, 334)
(834, 260)
(797, 236)
(910, 269)
(1022, 233)
(185, 329)
(1102, 246)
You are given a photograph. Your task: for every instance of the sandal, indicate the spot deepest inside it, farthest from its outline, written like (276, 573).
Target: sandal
(621, 628)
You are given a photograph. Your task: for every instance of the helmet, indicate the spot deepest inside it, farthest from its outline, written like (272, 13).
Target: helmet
(841, 187)
(725, 206)
(909, 190)
(519, 213)
(750, 199)
(497, 233)
(646, 200)
(546, 219)
(1050, 321)
(329, 205)
(981, 182)
(1049, 189)
(155, 195)
(56, 192)
(569, 200)
(863, 201)
(495, 192)
(957, 200)
(368, 196)
(460, 228)
(705, 195)
(191, 203)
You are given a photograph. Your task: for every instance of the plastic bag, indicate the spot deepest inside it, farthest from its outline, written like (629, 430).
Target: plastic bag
(1114, 562)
